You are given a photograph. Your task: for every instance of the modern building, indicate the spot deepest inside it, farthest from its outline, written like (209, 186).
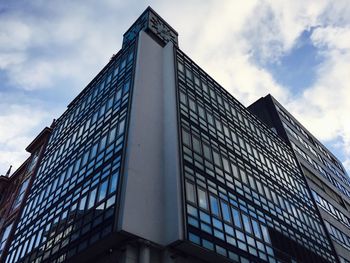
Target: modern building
(155, 162)
(326, 176)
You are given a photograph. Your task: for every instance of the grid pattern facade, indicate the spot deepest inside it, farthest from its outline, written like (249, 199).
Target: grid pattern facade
(317, 161)
(74, 198)
(242, 184)
(315, 154)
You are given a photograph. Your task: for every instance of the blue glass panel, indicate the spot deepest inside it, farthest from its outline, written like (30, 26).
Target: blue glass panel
(214, 205)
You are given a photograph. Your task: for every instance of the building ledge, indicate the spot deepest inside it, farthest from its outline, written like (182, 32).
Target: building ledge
(38, 140)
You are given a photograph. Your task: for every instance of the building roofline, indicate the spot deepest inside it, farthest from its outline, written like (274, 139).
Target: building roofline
(305, 129)
(33, 145)
(150, 9)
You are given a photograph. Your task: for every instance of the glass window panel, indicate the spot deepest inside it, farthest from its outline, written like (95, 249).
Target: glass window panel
(102, 143)
(207, 152)
(192, 105)
(20, 195)
(121, 127)
(194, 238)
(246, 223)
(201, 112)
(204, 217)
(114, 182)
(207, 244)
(126, 87)
(265, 233)
(236, 218)
(190, 193)
(82, 203)
(4, 237)
(186, 138)
(225, 211)
(196, 145)
(202, 199)
(93, 151)
(192, 210)
(102, 191)
(210, 118)
(85, 159)
(217, 158)
(183, 98)
(92, 198)
(256, 229)
(112, 134)
(214, 205)
(118, 95)
(235, 171)
(243, 176)
(226, 165)
(217, 224)
(229, 230)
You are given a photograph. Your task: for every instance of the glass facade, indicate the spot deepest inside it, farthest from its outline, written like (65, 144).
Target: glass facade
(75, 193)
(315, 154)
(325, 175)
(246, 198)
(328, 179)
(4, 237)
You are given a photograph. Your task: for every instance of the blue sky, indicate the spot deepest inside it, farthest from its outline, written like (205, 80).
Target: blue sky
(299, 51)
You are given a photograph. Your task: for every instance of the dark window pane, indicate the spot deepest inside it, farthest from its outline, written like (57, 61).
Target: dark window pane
(214, 205)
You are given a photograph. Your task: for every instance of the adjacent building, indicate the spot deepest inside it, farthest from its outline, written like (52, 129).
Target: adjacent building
(14, 190)
(326, 176)
(155, 162)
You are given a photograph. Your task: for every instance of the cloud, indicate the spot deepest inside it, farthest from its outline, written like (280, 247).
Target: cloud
(19, 124)
(47, 43)
(58, 47)
(48, 52)
(325, 105)
(234, 41)
(220, 39)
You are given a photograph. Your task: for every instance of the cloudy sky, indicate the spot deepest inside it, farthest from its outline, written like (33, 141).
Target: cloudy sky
(297, 50)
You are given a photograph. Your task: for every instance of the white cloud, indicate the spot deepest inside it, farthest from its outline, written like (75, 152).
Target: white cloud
(69, 42)
(12, 58)
(57, 41)
(226, 39)
(325, 106)
(19, 124)
(335, 38)
(220, 39)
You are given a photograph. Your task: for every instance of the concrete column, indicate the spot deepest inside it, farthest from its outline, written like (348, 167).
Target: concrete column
(144, 254)
(130, 255)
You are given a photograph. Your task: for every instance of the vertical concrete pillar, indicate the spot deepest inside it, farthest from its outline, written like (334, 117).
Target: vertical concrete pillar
(130, 255)
(144, 254)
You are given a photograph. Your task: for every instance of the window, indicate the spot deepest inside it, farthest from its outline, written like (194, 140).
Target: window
(236, 218)
(214, 206)
(246, 224)
(225, 211)
(207, 152)
(217, 160)
(20, 195)
(265, 234)
(102, 191)
(186, 138)
(4, 237)
(191, 197)
(121, 127)
(196, 145)
(33, 161)
(92, 198)
(256, 229)
(202, 199)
